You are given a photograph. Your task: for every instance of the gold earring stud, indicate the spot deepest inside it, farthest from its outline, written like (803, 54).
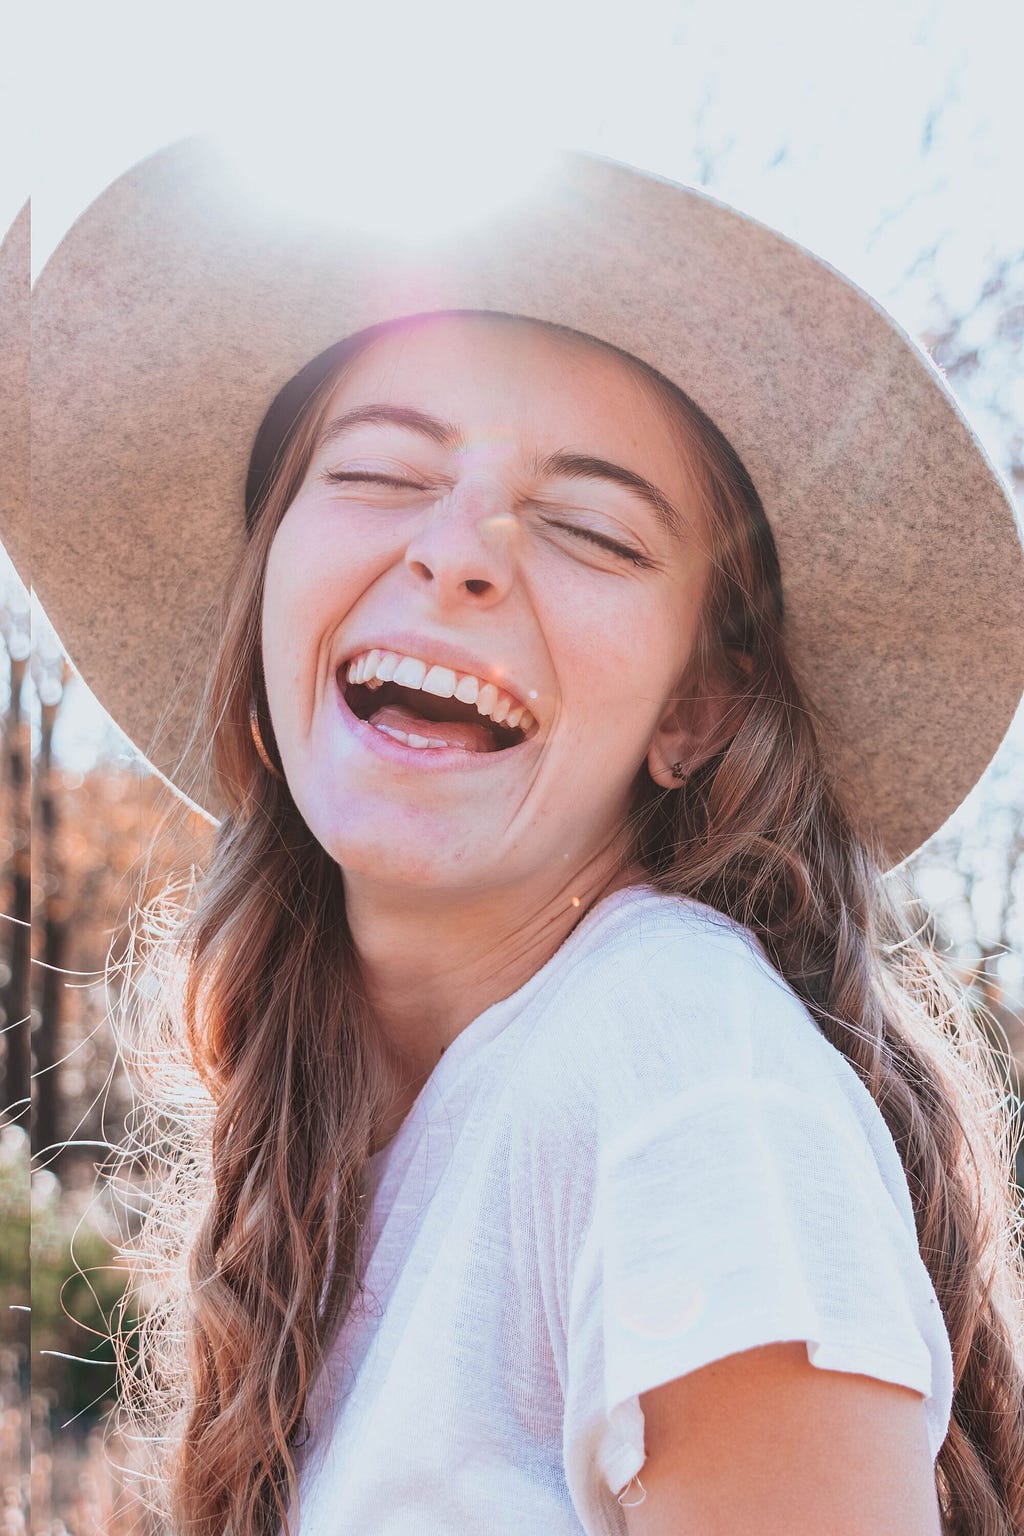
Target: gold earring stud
(254, 726)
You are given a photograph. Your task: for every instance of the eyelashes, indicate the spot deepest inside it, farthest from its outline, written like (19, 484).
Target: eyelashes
(346, 476)
(624, 551)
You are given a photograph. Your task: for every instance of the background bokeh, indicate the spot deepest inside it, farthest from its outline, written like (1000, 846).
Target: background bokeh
(883, 137)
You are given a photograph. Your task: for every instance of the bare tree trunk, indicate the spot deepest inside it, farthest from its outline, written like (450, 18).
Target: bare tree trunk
(46, 1041)
(17, 933)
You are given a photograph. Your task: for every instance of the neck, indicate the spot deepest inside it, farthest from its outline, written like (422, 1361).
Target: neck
(433, 960)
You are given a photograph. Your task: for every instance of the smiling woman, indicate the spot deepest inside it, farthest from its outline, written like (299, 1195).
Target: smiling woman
(591, 1144)
(468, 555)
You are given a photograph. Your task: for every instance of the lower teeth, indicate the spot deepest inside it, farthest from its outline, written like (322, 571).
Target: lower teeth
(410, 740)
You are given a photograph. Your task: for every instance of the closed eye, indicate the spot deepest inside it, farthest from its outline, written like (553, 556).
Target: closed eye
(350, 476)
(359, 476)
(599, 538)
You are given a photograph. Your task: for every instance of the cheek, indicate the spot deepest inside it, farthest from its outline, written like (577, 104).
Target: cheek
(617, 663)
(285, 599)
(314, 573)
(304, 599)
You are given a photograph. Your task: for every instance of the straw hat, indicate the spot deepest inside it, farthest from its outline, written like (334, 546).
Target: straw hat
(14, 374)
(178, 306)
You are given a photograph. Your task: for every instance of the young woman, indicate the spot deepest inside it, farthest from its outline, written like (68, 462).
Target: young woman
(570, 623)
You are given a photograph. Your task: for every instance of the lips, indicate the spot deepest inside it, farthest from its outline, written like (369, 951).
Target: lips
(437, 651)
(423, 758)
(430, 716)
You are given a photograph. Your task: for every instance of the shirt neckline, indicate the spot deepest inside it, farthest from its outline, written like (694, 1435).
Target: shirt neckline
(488, 1024)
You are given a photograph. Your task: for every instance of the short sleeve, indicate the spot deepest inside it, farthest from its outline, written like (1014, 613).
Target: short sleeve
(743, 1212)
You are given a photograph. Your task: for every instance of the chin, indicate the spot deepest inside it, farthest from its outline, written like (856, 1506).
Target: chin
(384, 848)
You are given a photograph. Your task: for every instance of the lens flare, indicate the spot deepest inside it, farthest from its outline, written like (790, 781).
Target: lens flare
(414, 190)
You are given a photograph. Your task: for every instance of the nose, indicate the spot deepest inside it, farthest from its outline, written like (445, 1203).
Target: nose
(466, 547)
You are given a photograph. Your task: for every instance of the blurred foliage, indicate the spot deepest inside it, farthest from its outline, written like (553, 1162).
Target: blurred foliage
(14, 1216)
(78, 1485)
(77, 1285)
(15, 1348)
(14, 1436)
(109, 852)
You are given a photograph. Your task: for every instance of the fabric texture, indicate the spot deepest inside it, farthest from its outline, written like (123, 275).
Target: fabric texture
(645, 1159)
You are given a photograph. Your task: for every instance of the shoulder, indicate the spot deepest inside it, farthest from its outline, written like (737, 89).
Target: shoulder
(673, 1004)
(670, 985)
(676, 945)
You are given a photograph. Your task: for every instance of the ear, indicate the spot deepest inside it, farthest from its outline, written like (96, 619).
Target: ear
(691, 730)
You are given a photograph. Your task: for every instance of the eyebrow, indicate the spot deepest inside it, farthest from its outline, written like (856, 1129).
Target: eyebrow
(573, 466)
(583, 466)
(443, 432)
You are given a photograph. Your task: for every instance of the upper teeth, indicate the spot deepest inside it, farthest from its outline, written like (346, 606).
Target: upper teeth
(376, 667)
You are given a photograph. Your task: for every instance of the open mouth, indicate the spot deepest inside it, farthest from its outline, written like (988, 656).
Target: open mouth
(409, 712)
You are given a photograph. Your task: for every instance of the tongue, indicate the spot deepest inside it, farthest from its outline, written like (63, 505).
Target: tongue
(470, 735)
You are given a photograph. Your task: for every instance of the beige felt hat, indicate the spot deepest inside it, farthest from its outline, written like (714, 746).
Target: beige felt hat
(14, 404)
(179, 305)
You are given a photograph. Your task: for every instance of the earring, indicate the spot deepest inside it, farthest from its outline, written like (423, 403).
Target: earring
(254, 726)
(678, 772)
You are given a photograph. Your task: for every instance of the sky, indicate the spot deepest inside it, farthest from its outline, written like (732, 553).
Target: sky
(867, 132)
(873, 135)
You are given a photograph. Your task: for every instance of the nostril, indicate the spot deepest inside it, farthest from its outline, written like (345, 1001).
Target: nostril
(477, 587)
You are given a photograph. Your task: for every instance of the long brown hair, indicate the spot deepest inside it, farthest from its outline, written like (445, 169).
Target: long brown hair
(256, 1052)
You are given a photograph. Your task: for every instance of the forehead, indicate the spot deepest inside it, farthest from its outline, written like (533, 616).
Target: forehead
(514, 379)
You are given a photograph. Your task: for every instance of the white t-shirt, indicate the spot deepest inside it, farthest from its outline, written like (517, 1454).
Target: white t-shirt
(646, 1158)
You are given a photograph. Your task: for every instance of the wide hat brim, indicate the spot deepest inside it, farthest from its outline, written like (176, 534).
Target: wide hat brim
(15, 273)
(177, 307)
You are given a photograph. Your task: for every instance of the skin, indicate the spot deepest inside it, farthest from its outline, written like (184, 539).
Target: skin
(762, 1443)
(459, 886)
